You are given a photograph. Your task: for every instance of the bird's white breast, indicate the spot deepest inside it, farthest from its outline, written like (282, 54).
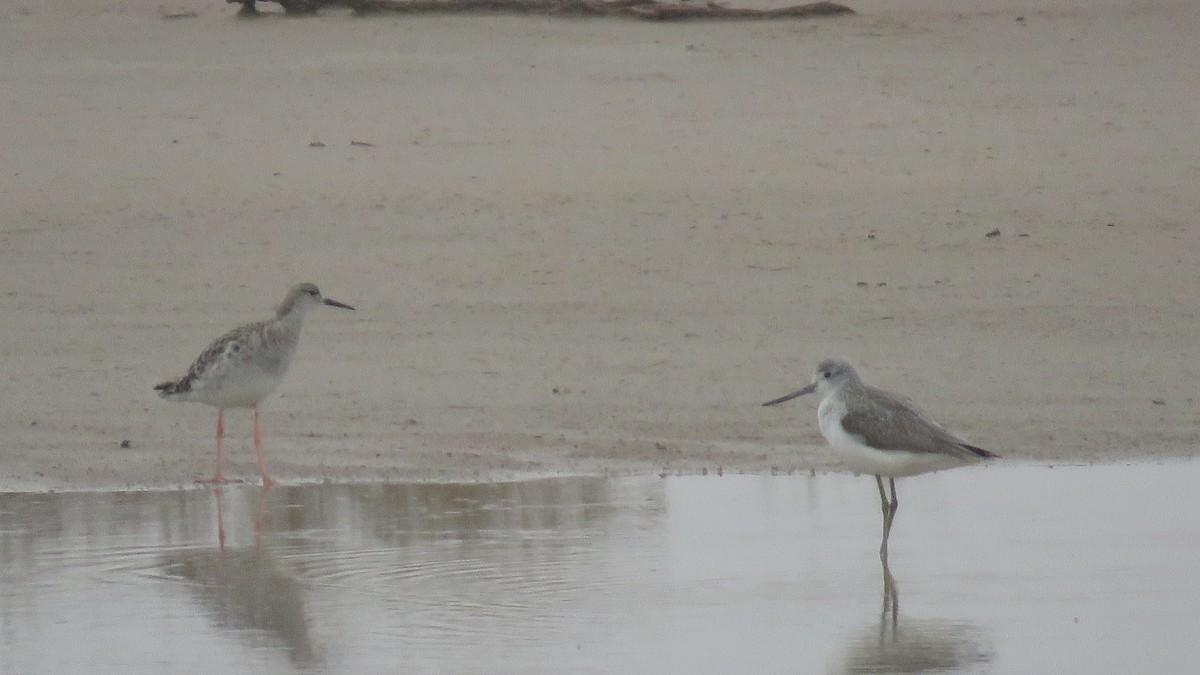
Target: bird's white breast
(829, 418)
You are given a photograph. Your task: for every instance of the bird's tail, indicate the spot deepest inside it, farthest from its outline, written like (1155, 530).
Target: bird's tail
(978, 452)
(173, 388)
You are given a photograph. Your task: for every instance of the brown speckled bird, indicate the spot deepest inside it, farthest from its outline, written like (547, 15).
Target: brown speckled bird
(243, 366)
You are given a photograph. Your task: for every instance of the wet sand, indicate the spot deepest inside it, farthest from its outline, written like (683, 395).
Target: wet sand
(584, 246)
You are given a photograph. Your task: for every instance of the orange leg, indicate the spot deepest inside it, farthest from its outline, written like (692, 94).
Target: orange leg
(258, 446)
(219, 493)
(219, 478)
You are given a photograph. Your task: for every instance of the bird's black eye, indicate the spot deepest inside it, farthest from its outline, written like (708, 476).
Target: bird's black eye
(313, 293)
(827, 374)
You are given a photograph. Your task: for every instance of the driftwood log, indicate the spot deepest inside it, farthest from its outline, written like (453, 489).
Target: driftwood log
(651, 10)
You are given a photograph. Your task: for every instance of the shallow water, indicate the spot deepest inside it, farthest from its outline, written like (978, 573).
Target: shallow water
(1006, 569)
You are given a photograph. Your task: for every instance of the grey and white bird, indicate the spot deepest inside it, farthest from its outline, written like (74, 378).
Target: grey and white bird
(245, 365)
(879, 433)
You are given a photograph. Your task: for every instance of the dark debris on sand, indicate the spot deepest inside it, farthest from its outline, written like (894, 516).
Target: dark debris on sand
(651, 10)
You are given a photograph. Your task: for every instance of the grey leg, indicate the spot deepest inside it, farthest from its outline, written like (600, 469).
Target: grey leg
(891, 602)
(889, 512)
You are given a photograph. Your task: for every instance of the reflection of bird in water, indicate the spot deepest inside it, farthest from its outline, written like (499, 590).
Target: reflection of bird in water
(879, 433)
(246, 589)
(259, 520)
(914, 645)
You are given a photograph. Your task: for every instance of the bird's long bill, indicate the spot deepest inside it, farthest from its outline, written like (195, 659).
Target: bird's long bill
(799, 392)
(335, 303)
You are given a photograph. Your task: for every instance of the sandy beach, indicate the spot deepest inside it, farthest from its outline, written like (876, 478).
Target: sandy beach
(595, 246)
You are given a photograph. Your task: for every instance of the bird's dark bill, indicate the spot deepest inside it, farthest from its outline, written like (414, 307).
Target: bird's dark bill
(335, 303)
(799, 392)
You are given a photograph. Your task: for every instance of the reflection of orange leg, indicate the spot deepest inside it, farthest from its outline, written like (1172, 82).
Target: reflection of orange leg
(220, 495)
(262, 463)
(219, 478)
(261, 518)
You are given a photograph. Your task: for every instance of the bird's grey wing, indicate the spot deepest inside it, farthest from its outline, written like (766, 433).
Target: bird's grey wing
(888, 422)
(971, 449)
